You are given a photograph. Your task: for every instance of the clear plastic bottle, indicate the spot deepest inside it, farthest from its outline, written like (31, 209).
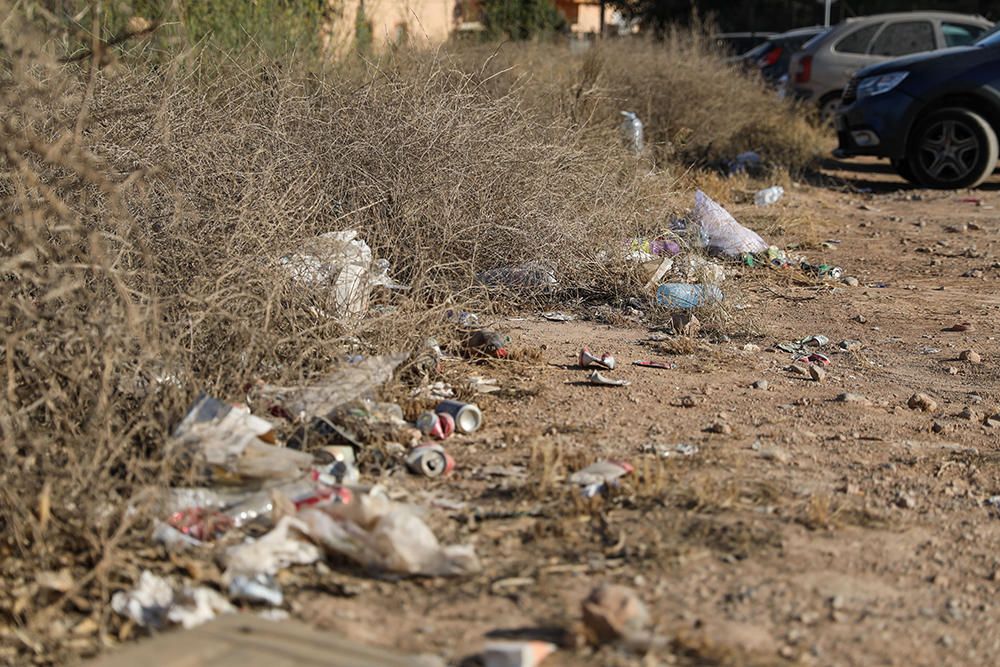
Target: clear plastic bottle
(684, 296)
(769, 196)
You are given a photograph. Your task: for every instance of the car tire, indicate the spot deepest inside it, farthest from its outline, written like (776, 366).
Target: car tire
(902, 167)
(953, 148)
(828, 108)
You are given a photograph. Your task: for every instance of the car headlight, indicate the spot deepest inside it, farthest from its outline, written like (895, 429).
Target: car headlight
(876, 85)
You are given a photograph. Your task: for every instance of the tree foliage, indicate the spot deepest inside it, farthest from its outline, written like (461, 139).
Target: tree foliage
(521, 19)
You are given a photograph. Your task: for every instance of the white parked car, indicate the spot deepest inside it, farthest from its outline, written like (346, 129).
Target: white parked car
(822, 69)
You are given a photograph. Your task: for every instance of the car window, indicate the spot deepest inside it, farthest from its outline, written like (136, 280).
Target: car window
(858, 41)
(903, 38)
(960, 34)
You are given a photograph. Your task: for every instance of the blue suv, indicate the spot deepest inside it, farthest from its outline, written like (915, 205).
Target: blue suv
(936, 116)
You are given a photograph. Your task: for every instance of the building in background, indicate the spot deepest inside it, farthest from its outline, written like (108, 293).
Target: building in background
(430, 22)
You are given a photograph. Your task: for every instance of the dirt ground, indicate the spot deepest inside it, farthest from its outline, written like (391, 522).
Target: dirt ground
(810, 531)
(803, 530)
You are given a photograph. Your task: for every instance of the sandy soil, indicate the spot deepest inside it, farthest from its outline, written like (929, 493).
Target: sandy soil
(810, 531)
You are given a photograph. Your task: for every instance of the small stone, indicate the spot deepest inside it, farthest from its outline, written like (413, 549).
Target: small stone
(993, 421)
(973, 273)
(922, 402)
(952, 370)
(938, 427)
(761, 384)
(906, 501)
(797, 369)
(851, 281)
(970, 414)
(960, 327)
(970, 356)
(614, 612)
(688, 401)
(775, 454)
(860, 319)
(850, 345)
(974, 227)
(851, 397)
(817, 373)
(719, 427)
(751, 347)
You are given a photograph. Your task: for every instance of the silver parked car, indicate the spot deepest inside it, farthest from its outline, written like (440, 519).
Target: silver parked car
(822, 69)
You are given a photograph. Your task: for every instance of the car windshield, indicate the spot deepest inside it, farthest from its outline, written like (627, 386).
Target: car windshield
(991, 38)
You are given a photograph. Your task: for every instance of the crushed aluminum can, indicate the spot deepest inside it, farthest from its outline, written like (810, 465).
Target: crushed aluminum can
(201, 524)
(816, 359)
(438, 426)
(587, 359)
(466, 417)
(258, 587)
(597, 379)
(430, 461)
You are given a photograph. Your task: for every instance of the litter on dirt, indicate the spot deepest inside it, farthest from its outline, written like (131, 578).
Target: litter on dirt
(597, 379)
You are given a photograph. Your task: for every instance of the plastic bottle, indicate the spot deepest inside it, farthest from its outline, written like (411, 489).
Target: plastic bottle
(682, 295)
(769, 196)
(632, 131)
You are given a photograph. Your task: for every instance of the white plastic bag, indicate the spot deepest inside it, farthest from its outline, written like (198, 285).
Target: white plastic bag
(723, 234)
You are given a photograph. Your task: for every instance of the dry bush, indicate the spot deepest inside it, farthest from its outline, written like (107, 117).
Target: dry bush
(696, 108)
(145, 207)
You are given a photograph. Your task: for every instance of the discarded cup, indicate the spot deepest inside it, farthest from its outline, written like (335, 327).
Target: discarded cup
(588, 359)
(467, 416)
(682, 295)
(430, 461)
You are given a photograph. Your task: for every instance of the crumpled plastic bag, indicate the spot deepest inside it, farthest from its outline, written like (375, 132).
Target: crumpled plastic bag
(696, 269)
(343, 263)
(154, 603)
(340, 387)
(381, 534)
(720, 231)
(235, 444)
(273, 552)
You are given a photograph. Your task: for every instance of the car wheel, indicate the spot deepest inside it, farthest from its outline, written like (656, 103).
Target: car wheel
(828, 108)
(903, 168)
(953, 148)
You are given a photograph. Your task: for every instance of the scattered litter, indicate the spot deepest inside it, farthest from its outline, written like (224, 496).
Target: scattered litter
(631, 130)
(257, 588)
(154, 603)
(486, 343)
(463, 318)
(597, 477)
(850, 345)
(516, 654)
(558, 316)
(600, 380)
(769, 196)
(436, 391)
(283, 546)
(430, 461)
(696, 269)
(335, 390)
(814, 359)
(587, 359)
(381, 534)
(654, 364)
(343, 263)
(666, 451)
(468, 417)
(482, 385)
(235, 445)
(748, 161)
(437, 426)
(681, 295)
(527, 276)
(720, 231)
